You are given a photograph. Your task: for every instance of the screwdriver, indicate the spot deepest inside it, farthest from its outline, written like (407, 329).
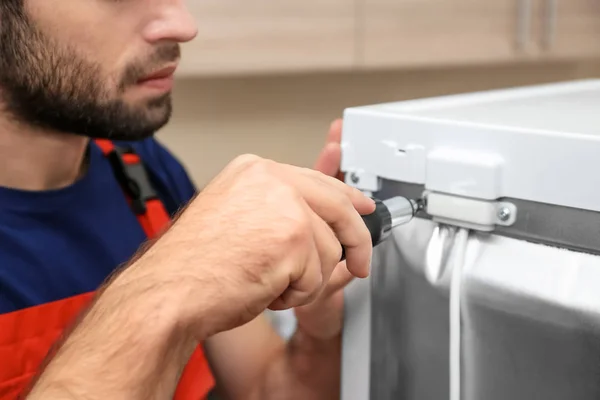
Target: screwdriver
(389, 214)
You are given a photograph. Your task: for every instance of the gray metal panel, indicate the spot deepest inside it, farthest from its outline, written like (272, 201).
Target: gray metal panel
(356, 340)
(509, 355)
(409, 336)
(515, 344)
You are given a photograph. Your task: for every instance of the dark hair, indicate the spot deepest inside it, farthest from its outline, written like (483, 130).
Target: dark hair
(10, 8)
(11, 3)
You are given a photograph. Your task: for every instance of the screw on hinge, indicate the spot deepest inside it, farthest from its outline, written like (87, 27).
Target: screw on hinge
(354, 178)
(504, 214)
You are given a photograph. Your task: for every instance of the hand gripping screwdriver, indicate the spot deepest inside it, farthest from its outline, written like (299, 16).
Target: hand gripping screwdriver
(389, 214)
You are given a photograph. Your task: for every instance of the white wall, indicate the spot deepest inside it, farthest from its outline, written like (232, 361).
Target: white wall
(286, 117)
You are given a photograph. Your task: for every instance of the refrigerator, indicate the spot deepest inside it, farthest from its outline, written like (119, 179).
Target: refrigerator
(493, 291)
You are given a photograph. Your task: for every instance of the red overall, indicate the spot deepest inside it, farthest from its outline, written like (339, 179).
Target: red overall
(26, 336)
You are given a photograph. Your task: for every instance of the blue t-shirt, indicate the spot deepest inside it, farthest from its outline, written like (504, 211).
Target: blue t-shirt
(61, 243)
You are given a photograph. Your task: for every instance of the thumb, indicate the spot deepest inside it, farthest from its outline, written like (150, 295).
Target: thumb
(335, 131)
(329, 160)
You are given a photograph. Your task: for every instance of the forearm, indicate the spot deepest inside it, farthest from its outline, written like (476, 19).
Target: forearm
(305, 369)
(127, 346)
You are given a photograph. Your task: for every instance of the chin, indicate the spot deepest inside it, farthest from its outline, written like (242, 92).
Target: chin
(159, 117)
(156, 109)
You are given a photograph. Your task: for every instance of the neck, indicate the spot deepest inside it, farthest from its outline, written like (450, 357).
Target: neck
(35, 159)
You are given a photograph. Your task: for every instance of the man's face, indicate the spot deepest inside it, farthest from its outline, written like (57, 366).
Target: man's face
(84, 66)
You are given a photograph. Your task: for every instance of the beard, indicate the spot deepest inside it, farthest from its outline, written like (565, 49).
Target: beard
(49, 85)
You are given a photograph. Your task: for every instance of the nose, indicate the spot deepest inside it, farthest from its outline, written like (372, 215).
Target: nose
(174, 23)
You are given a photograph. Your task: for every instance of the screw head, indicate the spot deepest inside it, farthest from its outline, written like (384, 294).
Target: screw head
(354, 178)
(504, 214)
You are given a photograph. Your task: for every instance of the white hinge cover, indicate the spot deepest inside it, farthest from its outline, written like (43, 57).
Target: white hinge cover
(481, 215)
(468, 173)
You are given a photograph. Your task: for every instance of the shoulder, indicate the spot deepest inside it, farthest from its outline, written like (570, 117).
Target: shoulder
(168, 174)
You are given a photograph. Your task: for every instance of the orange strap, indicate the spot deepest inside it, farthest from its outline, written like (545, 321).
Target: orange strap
(156, 217)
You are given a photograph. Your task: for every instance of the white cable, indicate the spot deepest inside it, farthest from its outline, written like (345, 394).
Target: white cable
(455, 316)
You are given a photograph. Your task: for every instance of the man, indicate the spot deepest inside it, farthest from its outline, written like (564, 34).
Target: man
(83, 87)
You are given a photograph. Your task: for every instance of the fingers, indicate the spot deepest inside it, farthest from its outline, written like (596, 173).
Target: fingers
(309, 276)
(306, 282)
(349, 228)
(339, 279)
(337, 204)
(363, 204)
(329, 160)
(335, 131)
(328, 246)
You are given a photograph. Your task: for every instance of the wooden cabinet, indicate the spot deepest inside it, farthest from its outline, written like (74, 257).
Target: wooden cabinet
(440, 32)
(270, 36)
(569, 29)
(277, 36)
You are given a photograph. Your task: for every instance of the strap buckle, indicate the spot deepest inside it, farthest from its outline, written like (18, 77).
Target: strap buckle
(133, 178)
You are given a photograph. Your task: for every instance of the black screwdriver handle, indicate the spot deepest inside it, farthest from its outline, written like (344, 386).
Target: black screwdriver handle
(376, 222)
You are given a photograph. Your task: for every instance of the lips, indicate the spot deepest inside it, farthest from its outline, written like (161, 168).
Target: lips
(164, 73)
(161, 80)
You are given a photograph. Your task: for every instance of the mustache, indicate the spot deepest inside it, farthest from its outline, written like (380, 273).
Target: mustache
(163, 54)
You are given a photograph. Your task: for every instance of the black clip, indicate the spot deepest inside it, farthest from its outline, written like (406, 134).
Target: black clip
(133, 178)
